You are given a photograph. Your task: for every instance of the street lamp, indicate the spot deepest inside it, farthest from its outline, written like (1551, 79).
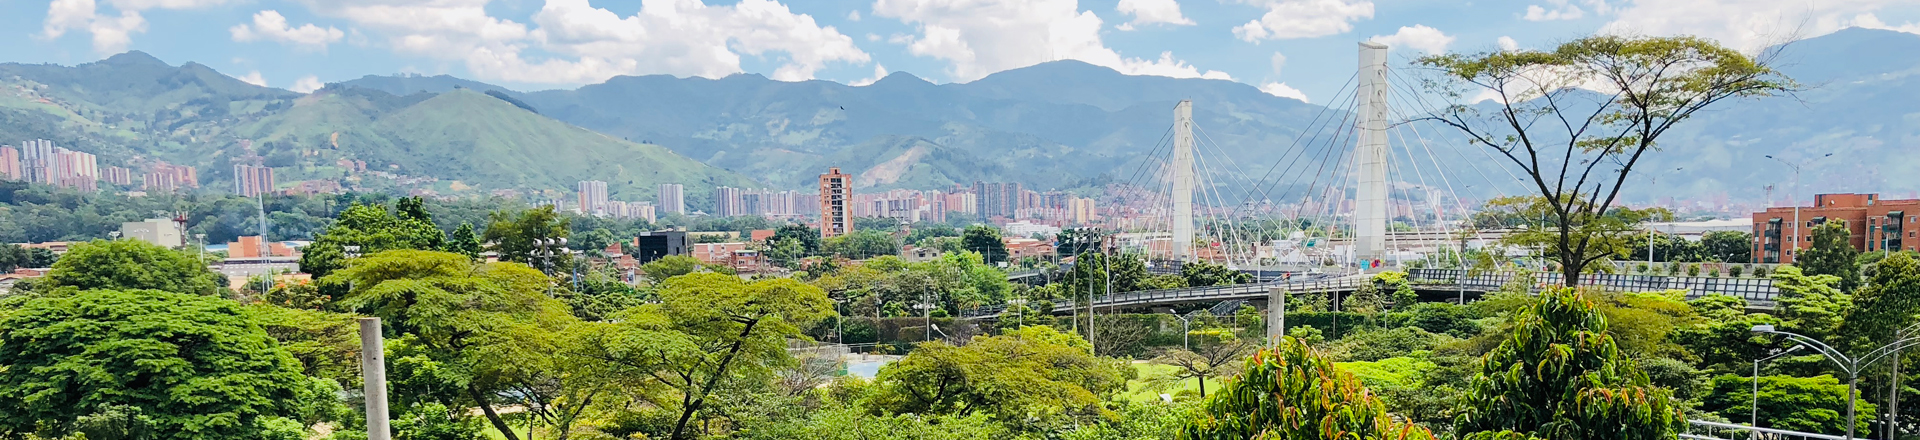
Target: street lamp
(1185, 330)
(1796, 204)
(114, 234)
(1755, 421)
(1849, 365)
(1021, 312)
(926, 309)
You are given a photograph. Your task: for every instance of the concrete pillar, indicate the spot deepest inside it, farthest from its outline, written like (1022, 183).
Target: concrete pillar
(1370, 210)
(373, 370)
(1183, 181)
(1276, 314)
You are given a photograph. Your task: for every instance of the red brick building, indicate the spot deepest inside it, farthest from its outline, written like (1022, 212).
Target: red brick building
(1876, 224)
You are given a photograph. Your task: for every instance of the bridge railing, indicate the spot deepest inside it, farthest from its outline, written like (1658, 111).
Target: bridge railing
(1753, 290)
(1184, 294)
(1705, 430)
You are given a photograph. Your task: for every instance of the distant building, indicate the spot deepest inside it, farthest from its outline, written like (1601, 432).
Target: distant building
(997, 199)
(36, 161)
(165, 177)
(1081, 211)
(655, 245)
(592, 197)
(1029, 229)
(250, 247)
(42, 162)
(836, 193)
(117, 176)
(251, 180)
(630, 210)
(160, 231)
(311, 187)
(673, 198)
(729, 201)
(1876, 225)
(10, 163)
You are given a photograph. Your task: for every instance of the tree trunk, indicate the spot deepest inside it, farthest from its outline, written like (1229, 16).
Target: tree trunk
(486, 408)
(1203, 386)
(679, 428)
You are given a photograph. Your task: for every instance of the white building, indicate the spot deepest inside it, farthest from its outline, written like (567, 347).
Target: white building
(673, 198)
(160, 231)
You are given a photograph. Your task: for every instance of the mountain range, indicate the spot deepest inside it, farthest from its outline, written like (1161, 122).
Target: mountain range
(1062, 124)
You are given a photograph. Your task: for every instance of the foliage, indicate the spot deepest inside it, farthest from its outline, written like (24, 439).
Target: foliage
(1561, 376)
(670, 266)
(1443, 318)
(13, 256)
(1832, 253)
(1810, 304)
(1577, 147)
(373, 229)
(707, 329)
(1290, 392)
(985, 240)
(1139, 421)
(847, 423)
(1201, 274)
(484, 320)
(132, 265)
(183, 366)
(1728, 246)
(1723, 340)
(513, 234)
(1210, 359)
(1031, 372)
(861, 244)
(1889, 302)
(1374, 344)
(1805, 404)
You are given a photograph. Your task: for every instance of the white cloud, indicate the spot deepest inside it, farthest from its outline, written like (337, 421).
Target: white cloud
(1278, 61)
(1748, 25)
(270, 25)
(110, 33)
(253, 78)
(1287, 19)
(1507, 44)
(1282, 90)
(879, 71)
(1562, 10)
(979, 37)
(572, 42)
(307, 84)
(853, 15)
(1418, 37)
(1146, 12)
(1870, 21)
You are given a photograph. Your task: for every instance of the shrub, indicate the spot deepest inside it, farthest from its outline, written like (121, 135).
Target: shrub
(1292, 392)
(1735, 271)
(1760, 272)
(1693, 270)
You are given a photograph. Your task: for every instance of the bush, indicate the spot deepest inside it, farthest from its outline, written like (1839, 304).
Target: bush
(1673, 269)
(1443, 318)
(1693, 270)
(1760, 272)
(1376, 344)
(1642, 268)
(1735, 271)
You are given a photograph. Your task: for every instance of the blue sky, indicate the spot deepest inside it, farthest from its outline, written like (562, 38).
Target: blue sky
(542, 44)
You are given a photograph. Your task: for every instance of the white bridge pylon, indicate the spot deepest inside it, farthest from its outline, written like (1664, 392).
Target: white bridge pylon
(1370, 207)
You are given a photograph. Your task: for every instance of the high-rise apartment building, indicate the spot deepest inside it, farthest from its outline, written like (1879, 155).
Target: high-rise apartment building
(1080, 211)
(117, 176)
(162, 176)
(36, 161)
(729, 201)
(593, 197)
(836, 192)
(250, 180)
(10, 163)
(997, 199)
(42, 162)
(672, 198)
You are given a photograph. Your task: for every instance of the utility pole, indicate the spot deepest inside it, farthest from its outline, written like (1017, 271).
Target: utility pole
(373, 369)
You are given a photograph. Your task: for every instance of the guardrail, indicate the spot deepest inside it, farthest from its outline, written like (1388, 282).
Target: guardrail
(1163, 296)
(1705, 430)
(1754, 290)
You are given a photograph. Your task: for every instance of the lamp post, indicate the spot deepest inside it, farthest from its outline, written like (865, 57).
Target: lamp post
(1849, 365)
(1755, 420)
(1021, 312)
(926, 309)
(114, 234)
(1796, 204)
(1185, 331)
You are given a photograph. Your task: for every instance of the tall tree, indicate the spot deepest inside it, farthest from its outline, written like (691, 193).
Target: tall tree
(1026, 372)
(373, 229)
(132, 265)
(707, 330)
(1809, 304)
(513, 234)
(1578, 147)
(985, 240)
(1890, 302)
(1559, 376)
(464, 241)
(166, 365)
(1290, 392)
(1832, 253)
(474, 317)
(809, 238)
(1728, 246)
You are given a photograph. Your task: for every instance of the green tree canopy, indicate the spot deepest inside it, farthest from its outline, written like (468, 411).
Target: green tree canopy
(1560, 376)
(1833, 254)
(174, 365)
(1810, 304)
(1201, 273)
(132, 265)
(861, 245)
(512, 234)
(1805, 404)
(464, 241)
(374, 229)
(1290, 392)
(985, 240)
(1888, 303)
(477, 317)
(1031, 372)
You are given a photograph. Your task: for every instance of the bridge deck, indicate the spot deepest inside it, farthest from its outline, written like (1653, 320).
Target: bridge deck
(1754, 290)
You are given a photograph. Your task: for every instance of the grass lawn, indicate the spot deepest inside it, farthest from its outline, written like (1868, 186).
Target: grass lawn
(1140, 391)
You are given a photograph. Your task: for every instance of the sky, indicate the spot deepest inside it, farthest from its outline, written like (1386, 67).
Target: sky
(1305, 49)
